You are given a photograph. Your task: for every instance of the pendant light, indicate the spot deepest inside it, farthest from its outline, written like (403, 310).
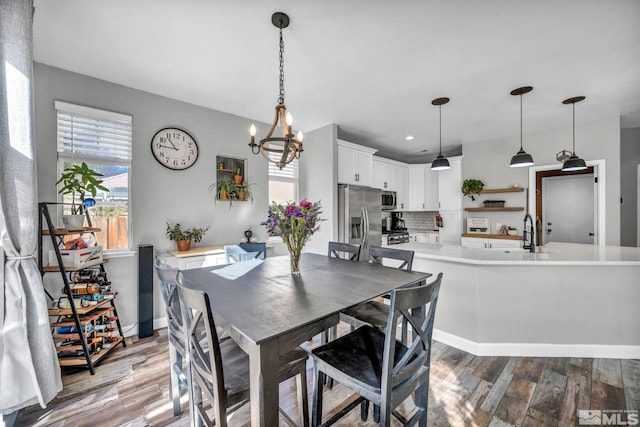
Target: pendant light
(441, 163)
(279, 150)
(522, 158)
(574, 163)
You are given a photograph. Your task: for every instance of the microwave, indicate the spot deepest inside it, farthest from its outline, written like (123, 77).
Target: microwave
(388, 200)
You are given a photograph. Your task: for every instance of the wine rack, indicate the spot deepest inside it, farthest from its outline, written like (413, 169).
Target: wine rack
(83, 335)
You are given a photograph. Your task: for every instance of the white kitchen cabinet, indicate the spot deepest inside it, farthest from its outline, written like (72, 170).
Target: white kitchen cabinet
(382, 175)
(195, 258)
(431, 190)
(433, 238)
(416, 187)
(451, 231)
(489, 243)
(450, 186)
(355, 164)
(401, 178)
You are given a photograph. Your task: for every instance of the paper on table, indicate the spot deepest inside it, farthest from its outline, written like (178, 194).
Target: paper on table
(239, 269)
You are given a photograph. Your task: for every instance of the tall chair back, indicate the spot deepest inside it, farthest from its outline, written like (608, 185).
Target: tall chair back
(175, 331)
(377, 255)
(205, 364)
(349, 251)
(245, 252)
(260, 249)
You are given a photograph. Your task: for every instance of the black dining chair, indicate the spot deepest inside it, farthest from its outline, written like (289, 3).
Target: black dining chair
(372, 312)
(175, 332)
(379, 368)
(219, 370)
(350, 251)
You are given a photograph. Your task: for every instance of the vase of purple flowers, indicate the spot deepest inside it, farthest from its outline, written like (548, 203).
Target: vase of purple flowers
(295, 224)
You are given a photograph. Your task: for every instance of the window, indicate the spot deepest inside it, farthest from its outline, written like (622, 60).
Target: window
(102, 139)
(283, 183)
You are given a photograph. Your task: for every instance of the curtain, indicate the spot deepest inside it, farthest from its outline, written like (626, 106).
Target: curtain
(29, 370)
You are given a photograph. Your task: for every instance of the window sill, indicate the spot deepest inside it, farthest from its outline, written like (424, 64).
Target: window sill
(120, 254)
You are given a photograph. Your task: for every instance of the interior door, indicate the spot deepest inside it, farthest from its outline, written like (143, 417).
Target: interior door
(568, 209)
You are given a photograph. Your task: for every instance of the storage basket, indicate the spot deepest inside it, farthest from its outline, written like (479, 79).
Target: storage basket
(493, 203)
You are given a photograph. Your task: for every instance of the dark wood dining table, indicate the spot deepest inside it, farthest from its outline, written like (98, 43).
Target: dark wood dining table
(268, 311)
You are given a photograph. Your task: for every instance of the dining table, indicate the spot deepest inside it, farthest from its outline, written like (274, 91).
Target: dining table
(268, 311)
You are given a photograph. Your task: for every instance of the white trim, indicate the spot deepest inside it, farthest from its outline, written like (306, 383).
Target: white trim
(132, 330)
(599, 171)
(538, 350)
(356, 146)
(94, 112)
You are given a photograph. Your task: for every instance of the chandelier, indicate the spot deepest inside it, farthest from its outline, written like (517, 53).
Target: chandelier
(280, 150)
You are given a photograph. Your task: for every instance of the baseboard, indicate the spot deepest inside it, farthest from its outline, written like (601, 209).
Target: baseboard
(538, 350)
(132, 330)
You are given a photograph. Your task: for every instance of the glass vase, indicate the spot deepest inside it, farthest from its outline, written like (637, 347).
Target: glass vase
(294, 254)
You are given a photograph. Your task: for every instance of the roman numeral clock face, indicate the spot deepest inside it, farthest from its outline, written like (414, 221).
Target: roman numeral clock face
(174, 148)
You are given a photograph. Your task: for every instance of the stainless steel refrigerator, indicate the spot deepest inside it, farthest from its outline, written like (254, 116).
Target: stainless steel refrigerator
(360, 217)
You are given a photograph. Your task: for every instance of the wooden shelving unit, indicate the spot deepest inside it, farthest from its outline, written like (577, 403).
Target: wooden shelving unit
(502, 190)
(506, 209)
(92, 347)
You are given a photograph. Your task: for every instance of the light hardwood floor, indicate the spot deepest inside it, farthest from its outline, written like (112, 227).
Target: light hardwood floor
(130, 388)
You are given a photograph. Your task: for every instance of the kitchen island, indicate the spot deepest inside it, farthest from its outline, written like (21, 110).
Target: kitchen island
(565, 300)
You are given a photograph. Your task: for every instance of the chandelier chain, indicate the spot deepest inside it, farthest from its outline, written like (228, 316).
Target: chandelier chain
(281, 97)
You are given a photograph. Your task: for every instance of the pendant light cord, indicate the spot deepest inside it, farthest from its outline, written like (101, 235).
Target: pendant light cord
(520, 121)
(440, 109)
(281, 97)
(574, 128)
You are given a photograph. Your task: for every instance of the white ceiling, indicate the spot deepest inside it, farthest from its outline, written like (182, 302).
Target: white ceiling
(371, 66)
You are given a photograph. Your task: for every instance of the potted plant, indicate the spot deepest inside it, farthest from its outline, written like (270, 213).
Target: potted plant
(77, 181)
(237, 178)
(243, 191)
(183, 238)
(472, 187)
(225, 189)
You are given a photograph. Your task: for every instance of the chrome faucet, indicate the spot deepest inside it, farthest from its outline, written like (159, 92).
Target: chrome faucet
(532, 240)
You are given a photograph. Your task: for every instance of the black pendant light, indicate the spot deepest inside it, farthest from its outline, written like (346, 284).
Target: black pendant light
(522, 158)
(441, 163)
(574, 163)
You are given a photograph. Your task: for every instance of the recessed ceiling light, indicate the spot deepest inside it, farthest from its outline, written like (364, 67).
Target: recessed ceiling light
(424, 151)
(409, 138)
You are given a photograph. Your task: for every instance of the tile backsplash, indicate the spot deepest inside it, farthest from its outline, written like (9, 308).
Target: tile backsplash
(420, 222)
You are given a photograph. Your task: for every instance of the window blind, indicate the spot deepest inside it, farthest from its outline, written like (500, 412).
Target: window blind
(90, 134)
(288, 173)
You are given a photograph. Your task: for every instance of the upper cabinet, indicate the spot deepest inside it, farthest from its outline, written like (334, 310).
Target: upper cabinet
(355, 164)
(450, 186)
(388, 174)
(423, 188)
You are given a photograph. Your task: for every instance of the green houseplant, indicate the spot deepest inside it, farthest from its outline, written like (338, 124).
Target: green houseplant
(237, 178)
(184, 237)
(243, 192)
(78, 181)
(472, 187)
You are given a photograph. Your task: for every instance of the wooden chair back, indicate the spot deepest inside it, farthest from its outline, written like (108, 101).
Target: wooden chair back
(349, 251)
(410, 304)
(377, 254)
(205, 358)
(169, 291)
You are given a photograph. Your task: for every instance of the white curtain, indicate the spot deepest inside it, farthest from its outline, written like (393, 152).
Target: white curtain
(29, 370)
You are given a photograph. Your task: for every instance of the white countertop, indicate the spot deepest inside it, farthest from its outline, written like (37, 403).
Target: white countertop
(550, 254)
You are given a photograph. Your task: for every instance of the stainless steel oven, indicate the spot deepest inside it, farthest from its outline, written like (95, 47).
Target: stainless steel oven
(388, 200)
(397, 237)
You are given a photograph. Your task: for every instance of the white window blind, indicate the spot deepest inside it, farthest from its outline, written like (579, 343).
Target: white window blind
(288, 173)
(90, 134)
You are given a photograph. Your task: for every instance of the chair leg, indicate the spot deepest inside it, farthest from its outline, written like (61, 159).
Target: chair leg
(364, 410)
(422, 401)
(376, 413)
(316, 408)
(303, 400)
(327, 336)
(174, 381)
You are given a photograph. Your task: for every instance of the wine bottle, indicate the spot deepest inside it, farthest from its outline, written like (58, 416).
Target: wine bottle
(84, 288)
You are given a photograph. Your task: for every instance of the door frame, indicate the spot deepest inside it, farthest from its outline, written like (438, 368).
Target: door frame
(600, 197)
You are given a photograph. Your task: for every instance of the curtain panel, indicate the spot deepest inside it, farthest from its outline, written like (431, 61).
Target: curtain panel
(29, 370)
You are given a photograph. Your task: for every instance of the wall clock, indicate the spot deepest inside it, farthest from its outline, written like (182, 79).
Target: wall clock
(174, 148)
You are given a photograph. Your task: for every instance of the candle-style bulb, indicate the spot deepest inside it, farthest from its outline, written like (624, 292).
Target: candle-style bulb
(299, 136)
(289, 119)
(252, 130)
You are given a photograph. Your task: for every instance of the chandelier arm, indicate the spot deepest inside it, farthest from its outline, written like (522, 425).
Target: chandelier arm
(286, 130)
(273, 126)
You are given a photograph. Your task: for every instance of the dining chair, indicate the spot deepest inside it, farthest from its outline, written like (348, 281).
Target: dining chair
(259, 248)
(350, 251)
(373, 312)
(169, 291)
(239, 253)
(379, 368)
(219, 370)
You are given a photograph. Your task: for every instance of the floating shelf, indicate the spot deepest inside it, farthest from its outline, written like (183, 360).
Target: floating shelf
(509, 209)
(502, 190)
(65, 231)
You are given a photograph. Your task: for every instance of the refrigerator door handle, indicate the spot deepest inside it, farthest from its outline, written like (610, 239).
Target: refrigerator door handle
(365, 229)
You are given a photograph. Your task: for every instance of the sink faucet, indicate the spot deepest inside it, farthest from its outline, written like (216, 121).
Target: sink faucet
(532, 241)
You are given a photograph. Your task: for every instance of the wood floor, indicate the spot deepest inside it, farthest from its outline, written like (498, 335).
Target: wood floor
(130, 388)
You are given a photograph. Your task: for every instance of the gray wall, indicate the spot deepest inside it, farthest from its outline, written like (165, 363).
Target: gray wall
(489, 162)
(629, 161)
(160, 194)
